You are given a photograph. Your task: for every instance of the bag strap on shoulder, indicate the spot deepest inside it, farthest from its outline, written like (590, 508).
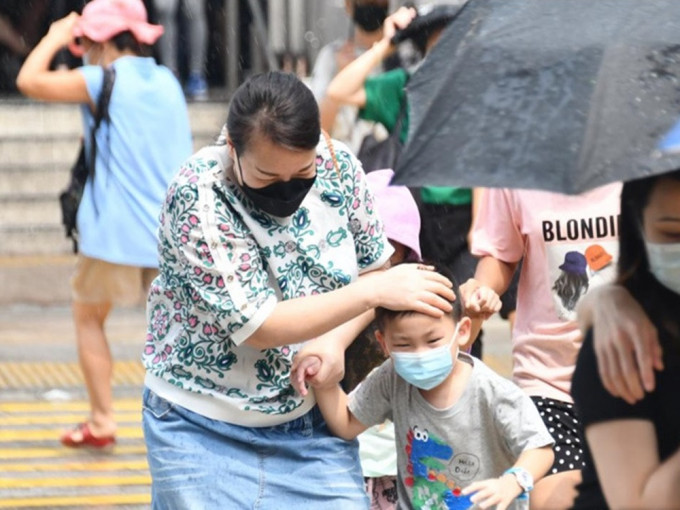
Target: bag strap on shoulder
(101, 113)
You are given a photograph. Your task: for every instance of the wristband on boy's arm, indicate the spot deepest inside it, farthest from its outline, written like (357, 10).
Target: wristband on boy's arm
(524, 478)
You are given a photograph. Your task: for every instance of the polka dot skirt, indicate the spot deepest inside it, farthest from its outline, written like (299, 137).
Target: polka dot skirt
(564, 425)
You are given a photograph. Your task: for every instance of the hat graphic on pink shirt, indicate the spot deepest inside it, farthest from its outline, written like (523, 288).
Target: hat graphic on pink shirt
(104, 19)
(597, 257)
(397, 208)
(574, 262)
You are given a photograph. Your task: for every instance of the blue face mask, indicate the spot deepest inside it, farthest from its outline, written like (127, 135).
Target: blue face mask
(425, 370)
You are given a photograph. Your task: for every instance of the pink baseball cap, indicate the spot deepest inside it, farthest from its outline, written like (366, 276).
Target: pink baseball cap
(103, 19)
(397, 208)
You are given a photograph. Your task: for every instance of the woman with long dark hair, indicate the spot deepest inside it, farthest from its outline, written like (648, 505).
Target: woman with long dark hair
(635, 446)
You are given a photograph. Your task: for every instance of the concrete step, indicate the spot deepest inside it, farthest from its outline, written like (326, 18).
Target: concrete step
(25, 211)
(35, 120)
(21, 176)
(24, 150)
(31, 119)
(55, 150)
(20, 180)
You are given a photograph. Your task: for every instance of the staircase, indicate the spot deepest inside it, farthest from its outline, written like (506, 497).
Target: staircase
(38, 145)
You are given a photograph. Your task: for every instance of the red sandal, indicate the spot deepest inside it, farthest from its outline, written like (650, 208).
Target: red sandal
(87, 439)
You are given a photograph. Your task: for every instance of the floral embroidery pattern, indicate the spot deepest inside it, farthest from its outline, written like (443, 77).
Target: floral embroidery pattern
(224, 264)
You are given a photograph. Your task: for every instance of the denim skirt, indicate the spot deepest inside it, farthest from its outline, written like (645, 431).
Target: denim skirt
(200, 463)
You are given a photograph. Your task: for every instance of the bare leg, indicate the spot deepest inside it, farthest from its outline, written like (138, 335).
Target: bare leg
(555, 492)
(198, 31)
(167, 44)
(96, 363)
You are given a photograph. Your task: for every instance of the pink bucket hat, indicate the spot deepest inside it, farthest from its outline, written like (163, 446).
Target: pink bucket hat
(103, 19)
(397, 208)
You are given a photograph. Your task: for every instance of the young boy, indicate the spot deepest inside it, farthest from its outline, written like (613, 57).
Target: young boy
(465, 435)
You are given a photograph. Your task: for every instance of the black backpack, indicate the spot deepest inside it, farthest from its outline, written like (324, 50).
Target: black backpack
(69, 199)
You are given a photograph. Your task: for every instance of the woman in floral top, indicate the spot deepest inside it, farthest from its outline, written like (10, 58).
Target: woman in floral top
(269, 245)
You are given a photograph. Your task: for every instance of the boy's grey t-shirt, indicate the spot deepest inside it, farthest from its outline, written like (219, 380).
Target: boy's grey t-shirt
(441, 451)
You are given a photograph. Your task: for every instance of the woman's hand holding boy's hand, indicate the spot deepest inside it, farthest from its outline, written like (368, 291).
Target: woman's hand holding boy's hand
(494, 493)
(479, 301)
(318, 363)
(302, 370)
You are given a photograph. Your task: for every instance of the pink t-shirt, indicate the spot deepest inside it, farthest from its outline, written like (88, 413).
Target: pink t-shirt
(569, 245)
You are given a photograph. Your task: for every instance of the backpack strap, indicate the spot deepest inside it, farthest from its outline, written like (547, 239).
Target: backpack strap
(101, 113)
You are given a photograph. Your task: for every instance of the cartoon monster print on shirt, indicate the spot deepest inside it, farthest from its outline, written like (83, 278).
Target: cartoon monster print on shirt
(428, 475)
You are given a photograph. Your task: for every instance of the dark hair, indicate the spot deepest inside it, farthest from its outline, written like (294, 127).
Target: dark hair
(126, 41)
(428, 24)
(633, 265)
(383, 316)
(569, 287)
(278, 106)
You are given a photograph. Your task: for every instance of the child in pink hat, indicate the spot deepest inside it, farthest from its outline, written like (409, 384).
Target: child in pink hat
(399, 212)
(103, 19)
(137, 147)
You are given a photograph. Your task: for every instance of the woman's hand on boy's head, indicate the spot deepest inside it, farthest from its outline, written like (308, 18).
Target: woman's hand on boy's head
(416, 287)
(496, 493)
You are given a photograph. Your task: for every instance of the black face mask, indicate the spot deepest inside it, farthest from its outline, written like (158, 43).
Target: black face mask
(369, 17)
(279, 199)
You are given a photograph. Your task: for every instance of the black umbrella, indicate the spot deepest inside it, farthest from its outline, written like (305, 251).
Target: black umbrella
(562, 95)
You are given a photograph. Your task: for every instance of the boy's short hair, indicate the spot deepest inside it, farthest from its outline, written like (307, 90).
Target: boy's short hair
(384, 316)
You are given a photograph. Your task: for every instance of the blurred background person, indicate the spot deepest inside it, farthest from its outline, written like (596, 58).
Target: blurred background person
(138, 149)
(341, 121)
(197, 29)
(446, 212)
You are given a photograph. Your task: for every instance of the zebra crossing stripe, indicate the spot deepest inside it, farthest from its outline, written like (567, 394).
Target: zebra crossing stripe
(60, 451)
(88, 501)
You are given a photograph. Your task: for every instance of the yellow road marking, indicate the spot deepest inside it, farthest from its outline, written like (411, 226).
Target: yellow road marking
(61, 451)
(50, 374)
(90, 481)
(81, 465)
(8, 435)
(98, 499)
(66, 419)
(70, 406)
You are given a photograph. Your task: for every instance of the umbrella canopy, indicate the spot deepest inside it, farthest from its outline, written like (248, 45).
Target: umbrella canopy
(561, 95)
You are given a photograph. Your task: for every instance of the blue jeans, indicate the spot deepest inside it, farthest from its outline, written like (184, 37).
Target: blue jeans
(199, 463)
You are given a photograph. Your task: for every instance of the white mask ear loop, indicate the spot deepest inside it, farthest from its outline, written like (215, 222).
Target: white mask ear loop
(453, 339)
